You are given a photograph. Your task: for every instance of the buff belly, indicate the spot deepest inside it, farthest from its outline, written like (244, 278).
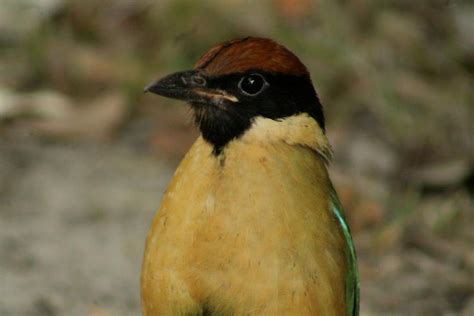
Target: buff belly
(246, 233)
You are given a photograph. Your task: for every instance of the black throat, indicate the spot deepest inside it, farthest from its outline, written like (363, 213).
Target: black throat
(285, 96)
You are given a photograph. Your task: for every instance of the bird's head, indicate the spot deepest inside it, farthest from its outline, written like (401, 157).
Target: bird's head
(238, 82)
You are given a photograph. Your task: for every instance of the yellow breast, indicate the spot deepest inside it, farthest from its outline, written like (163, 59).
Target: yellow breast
(246, 233)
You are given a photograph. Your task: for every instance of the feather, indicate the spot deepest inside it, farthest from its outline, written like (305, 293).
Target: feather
(352, 283)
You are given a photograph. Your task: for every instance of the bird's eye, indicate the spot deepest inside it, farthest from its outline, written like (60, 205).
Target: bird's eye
(252, 84)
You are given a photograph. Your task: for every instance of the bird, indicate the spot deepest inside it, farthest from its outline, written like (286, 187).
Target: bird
(250, 223)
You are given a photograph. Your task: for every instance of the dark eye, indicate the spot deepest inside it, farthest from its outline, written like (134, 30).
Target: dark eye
(252, 84)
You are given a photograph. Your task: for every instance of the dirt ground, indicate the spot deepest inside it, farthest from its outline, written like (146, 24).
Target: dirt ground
(75, 247)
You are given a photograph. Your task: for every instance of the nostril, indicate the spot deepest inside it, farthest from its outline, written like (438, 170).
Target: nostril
(198, 80)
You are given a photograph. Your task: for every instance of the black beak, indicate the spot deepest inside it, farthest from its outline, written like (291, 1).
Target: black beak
(189, 86)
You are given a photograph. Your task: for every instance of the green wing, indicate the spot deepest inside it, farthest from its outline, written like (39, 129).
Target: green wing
(352, 284)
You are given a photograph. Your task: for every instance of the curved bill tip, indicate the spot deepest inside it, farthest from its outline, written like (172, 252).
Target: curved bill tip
(150, 86)
(188, 86)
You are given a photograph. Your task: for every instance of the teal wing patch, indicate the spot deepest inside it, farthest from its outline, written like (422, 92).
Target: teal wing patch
(352, 284)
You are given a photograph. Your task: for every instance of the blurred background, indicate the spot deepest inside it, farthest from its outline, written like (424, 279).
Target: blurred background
(85, 156)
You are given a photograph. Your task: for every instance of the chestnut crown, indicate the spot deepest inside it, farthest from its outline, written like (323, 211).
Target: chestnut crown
(237, 81)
